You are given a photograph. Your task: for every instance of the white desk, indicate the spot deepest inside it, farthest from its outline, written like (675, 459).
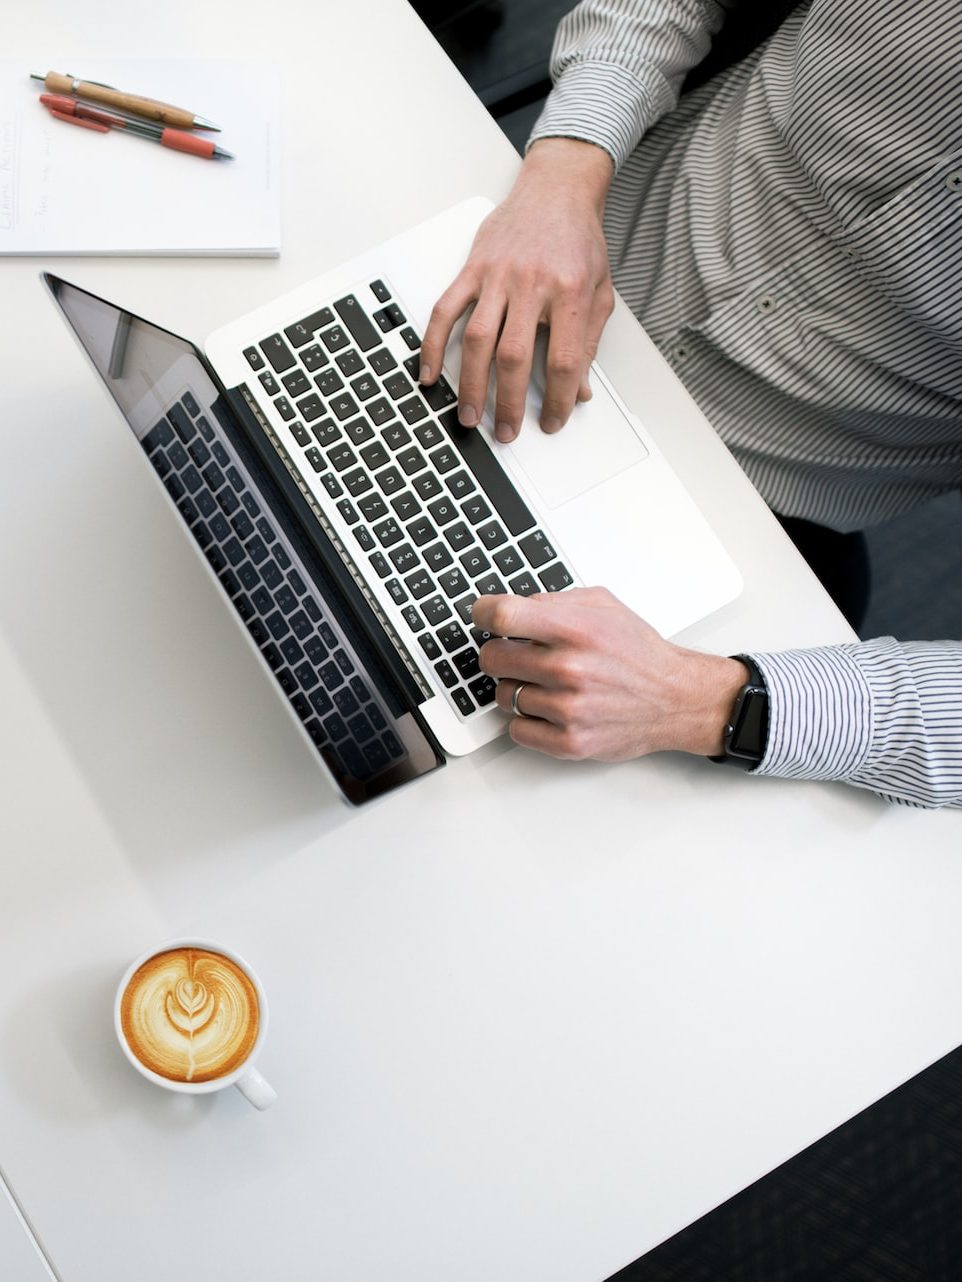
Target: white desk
(523, 1049)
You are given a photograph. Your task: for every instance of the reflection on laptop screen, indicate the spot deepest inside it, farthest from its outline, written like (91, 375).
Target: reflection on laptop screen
(357, 714)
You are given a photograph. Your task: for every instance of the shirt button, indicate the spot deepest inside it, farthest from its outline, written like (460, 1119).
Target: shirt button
(954, 181)
(681, 351)
(765, 304)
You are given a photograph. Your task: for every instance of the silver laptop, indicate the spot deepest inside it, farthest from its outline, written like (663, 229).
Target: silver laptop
(352, 522)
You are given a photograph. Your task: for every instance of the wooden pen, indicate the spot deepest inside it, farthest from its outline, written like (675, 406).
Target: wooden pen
(161, 113)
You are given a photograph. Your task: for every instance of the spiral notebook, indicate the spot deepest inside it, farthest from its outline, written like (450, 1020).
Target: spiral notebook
(68, 190)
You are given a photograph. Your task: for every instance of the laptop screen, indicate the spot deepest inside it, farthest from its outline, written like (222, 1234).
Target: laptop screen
(286, 585)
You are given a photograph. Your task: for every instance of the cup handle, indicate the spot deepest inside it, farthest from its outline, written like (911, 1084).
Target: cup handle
(254, 1088)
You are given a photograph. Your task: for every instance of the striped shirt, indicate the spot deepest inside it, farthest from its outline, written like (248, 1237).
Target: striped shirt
(790, 235)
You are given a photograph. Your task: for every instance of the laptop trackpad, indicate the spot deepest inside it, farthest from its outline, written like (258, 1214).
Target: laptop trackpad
(596, 443)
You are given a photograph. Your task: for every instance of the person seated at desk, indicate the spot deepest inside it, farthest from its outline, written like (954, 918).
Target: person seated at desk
(790, 235)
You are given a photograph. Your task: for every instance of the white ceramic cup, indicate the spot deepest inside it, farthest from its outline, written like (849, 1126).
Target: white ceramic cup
(245, 1077)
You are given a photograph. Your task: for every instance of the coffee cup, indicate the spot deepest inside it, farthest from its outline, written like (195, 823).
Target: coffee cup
(191, 1016)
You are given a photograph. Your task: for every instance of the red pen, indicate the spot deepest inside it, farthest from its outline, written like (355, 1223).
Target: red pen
(76, 113)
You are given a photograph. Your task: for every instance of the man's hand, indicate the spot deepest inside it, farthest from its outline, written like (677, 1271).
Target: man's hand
(539, 258)
(598, 681)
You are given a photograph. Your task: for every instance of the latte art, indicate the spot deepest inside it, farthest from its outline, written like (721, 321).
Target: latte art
(190, 1015)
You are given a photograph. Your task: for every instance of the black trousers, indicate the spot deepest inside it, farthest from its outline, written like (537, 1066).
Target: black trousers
(840, 562)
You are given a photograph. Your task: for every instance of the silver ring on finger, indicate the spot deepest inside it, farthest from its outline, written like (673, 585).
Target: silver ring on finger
(515, 696)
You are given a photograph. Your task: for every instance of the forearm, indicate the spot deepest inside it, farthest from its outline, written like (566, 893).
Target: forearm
(618, 66)
(878, 714)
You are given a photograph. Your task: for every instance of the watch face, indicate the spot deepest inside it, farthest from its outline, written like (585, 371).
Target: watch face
(750, 733)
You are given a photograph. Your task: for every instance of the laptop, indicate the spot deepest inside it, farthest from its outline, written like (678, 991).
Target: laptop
(351, 522)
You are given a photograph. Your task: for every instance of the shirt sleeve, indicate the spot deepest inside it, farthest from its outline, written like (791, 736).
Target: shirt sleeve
(618, 66)
(879, 714)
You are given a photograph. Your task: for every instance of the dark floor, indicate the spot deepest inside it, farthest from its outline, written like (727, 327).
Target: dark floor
(880, 1199)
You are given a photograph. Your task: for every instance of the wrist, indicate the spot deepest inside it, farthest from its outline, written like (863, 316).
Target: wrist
(581, 170)
(711, 686)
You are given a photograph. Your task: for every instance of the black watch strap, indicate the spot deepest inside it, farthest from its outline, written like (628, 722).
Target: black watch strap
(746, 735)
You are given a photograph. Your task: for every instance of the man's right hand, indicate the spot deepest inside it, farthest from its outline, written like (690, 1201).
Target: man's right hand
(540, 258)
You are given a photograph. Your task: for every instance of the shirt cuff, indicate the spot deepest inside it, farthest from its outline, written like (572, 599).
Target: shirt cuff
(819, 713)
(603, 104)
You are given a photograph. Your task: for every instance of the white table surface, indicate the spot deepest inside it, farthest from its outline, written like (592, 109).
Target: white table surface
(582, 1006)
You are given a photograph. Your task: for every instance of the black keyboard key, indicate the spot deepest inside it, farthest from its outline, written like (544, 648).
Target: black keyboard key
(390, 480)
(388, 532)
(277, 625)
(413, 409)
(191, 479)
(278, 353)
(437, 558)
(444, 459)
(487, 471)
(296, 383)
(435, 609)
(332, 485)
(321, 702)
(254, 358)
(269, 383)
(463, 701)
(405, 506)
(411, 338)
(458, 535)
(411, 461)
(484, 689)
(358, 430)
(509, 561)
(380, 565)
(329, 382)
(345, 702)
(379, 411)
(430, 646)
(427, 485)
(397, 386)
(159, 435)
(412, 618)
(395, 436)
(463, 607)
(314, 357)
(365, 387)
(396, 589)
(317, 320)
(348, 511)
(452, 583)
(466, 663)
(341, 457)
(475, 509)
(421, 531)
(429, 434)
(284, 408)
(439, 395)
(183, 426)
(256, 549)
(556, 578)
(382, 361)
(419, 584)
(523, 585)
(343, 406)
(448, 675)
(228, 500)
(460, 484)
(301, 625)
(537, 549)
(206, 431)
(299, 433)
(291, 650)
(334, 338)
(357, 482)
(299, 334)
(311, 407)
(375, 455)
(372, 506)
(349, 362)
(389, 317)
(452, 637)
(355, 318)
(443, 510)
(326, 432)
(491, 535)
(404, 558)
(380, 291)
(364, 537)
(490, 585)
(316, 459)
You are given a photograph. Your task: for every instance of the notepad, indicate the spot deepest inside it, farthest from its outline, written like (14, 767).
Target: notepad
(68, 190)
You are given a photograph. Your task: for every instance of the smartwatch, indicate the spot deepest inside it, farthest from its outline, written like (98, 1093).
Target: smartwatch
(746, 735)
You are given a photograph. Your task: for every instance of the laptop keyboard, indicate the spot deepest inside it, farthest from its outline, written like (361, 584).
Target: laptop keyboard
(271, 591)
(424, 500)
